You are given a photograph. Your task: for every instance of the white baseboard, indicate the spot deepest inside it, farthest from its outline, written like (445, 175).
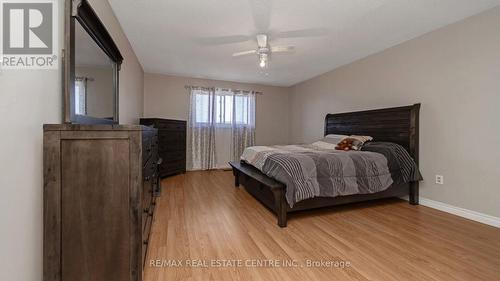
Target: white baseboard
(461, 212)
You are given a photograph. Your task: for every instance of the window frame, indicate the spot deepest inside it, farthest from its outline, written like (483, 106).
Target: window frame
(221, 106)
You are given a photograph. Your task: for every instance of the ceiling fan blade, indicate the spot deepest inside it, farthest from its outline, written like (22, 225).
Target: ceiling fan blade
(223, 40)
(281, 49)
(244, 53)
(261, 13)
(262, 40)
(310, 32)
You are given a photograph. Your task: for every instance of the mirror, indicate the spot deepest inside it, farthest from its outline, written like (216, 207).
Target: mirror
(91, 66)
(94, 93)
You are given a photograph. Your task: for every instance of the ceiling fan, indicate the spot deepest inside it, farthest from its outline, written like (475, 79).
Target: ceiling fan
(264, 50)
(261, 13)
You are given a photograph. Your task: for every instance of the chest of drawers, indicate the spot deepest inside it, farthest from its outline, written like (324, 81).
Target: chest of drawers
(99, 187)
(172, 144)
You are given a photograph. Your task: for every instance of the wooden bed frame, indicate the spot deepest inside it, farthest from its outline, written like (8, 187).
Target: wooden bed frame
(399, 125)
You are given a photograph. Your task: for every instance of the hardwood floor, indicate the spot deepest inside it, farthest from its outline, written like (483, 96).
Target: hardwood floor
(202, 218)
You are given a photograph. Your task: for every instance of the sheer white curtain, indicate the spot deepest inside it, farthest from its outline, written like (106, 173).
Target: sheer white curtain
(221, 125)
(201, 130)
(243, 123)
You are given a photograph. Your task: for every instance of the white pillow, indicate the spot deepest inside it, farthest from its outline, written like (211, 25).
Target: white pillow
(334, 136)
(333, 139)
(324, 145)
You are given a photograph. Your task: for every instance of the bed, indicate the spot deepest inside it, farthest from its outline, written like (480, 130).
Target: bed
(398, 125)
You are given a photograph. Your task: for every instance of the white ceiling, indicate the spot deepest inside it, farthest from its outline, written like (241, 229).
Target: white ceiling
(183, 37)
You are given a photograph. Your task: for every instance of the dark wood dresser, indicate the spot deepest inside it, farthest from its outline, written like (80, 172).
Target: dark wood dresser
(99, 182)
(172, 144)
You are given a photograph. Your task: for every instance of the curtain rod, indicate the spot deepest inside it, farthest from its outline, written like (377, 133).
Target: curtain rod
(190, 87)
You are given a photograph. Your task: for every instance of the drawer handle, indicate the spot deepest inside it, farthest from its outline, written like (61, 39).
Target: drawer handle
(147, 178)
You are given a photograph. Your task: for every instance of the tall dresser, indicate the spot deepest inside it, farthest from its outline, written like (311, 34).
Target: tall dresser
(172, 144)
(98, 201)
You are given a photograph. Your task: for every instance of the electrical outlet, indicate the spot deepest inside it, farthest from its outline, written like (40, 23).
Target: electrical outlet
(439, 179)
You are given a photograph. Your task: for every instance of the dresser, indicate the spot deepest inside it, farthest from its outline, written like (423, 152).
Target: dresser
(99, 183)
(172, 144)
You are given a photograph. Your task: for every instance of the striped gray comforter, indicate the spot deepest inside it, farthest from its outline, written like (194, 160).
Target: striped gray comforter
(310, 171)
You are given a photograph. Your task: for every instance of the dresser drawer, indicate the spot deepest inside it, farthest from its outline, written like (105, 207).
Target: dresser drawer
(150, 167)
(173, 155)
(172, 149)
(147, 193)
(149, 144)
(171, 125)
(145, 244)
(147, 214)
(169, 137)
(156, 185)
(147, 233)
(144, 252)
(173, 168)
(173, 145)
(181, 163)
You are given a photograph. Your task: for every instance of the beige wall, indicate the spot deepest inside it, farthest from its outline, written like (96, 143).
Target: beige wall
(100, 98)
(166, 97)
(455, 73)
(28, 99)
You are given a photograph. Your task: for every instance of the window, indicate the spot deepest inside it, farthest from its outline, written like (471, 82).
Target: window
(80, 97)
(221, 125)
(226, 107)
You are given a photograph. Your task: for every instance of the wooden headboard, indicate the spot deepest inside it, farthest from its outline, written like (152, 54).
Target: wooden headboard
(398, 124)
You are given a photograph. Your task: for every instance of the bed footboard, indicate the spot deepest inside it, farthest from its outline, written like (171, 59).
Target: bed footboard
(269, 192)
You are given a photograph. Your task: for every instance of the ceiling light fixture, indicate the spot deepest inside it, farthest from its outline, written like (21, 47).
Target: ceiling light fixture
(264, 51)
(263, 60)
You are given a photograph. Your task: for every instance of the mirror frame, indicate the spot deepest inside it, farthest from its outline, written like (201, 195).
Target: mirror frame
(80, 11)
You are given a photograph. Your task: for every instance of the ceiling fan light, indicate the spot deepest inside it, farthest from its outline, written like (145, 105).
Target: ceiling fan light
(263, 60)
(262, 63)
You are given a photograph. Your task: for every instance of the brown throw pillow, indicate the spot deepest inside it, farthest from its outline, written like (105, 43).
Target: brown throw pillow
(352, 142)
